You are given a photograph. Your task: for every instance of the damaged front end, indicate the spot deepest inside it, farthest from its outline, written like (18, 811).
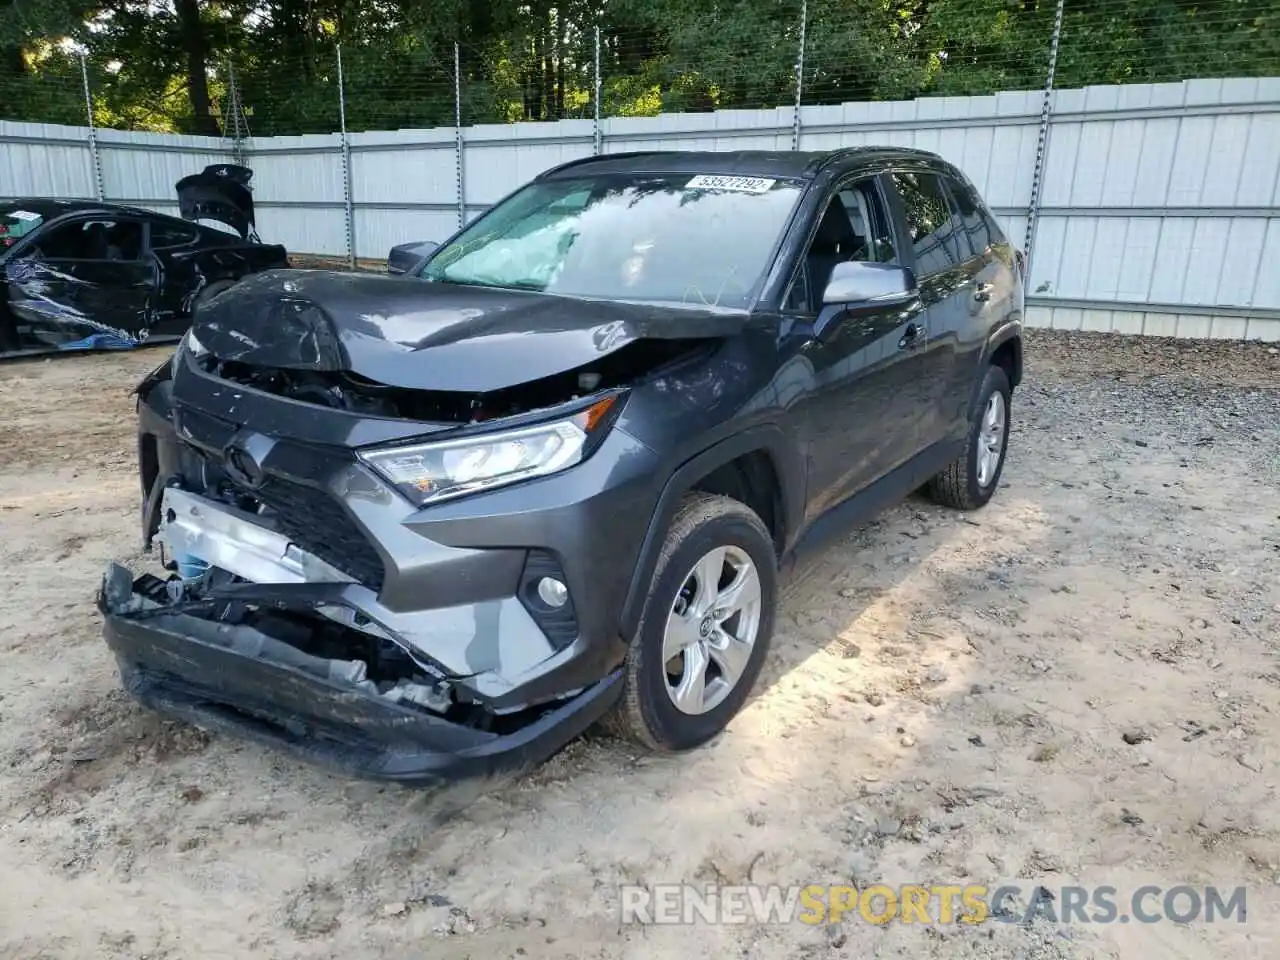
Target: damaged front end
(292, 660)
(402, 519)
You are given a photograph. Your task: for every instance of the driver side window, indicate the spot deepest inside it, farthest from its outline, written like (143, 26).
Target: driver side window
(62, 242)
(854, 226)
(92, 240)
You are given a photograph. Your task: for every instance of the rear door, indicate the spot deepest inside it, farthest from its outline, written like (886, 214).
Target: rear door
(83, 282)
(860, 421)
(173, 246)
(941, 265)
(991, 285)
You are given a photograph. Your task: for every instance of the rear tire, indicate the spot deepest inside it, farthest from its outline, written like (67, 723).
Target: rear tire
(678, 700)
(970, 480)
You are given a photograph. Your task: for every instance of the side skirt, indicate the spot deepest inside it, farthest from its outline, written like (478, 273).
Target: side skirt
(891, 489)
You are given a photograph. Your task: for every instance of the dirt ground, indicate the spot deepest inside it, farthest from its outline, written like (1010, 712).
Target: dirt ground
(950, 700)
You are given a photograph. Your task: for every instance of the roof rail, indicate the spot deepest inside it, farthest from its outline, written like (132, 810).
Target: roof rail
(843, 153)
(584, 161)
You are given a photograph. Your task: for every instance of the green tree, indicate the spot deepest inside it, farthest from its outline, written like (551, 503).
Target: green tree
(164, 64)
(40, 76)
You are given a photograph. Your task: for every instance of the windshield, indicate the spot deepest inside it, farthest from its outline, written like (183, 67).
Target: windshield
(694, 239)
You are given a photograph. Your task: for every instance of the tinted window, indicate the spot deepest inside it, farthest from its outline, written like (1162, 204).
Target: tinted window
(704, 239)
(62, 242)
(978, 226)
(930, 221)
(854, 226)
(165, 234)
(92, 240)
(866, 212)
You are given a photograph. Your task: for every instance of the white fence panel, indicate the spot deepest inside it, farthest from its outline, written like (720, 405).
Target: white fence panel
(723, 130)
(142, 168)
(297, 192)
(1161, 199)
(404, 185)
(44, 160)
(1159, 211)
(498, 158)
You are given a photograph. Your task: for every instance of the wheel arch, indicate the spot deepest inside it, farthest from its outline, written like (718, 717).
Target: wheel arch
(762, 453)
(1003, 349)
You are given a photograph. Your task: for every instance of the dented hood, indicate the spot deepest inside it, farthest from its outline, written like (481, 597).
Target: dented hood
(431, 336)
(219, 192)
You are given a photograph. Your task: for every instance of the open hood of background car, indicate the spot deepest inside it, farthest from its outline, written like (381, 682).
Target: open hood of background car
(219, 192)
(431, 336)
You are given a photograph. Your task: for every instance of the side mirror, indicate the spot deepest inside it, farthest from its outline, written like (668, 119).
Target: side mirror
(404, 256)
(870, 285)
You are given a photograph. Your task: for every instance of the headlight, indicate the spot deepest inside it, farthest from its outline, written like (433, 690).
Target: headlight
(430, 472)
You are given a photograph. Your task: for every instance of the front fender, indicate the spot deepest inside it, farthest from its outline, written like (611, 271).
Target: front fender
(787, 466)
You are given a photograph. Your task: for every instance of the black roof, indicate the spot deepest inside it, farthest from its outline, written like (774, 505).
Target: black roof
(797, 164)
(49, 208)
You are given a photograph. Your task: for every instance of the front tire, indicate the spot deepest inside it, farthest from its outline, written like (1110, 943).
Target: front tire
(705, 629)
(971, 479)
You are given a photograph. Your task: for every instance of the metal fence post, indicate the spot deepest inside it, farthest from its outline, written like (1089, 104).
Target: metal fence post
(458, 148)
(1042, 145)
(94, 157)
(795, 117)
(347, 199)
(238, 124)
(595, 97)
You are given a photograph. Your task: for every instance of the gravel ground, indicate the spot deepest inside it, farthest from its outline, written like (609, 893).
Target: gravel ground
(1077, 685)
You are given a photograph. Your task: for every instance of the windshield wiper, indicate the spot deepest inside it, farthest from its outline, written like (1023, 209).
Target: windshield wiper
(517, 285)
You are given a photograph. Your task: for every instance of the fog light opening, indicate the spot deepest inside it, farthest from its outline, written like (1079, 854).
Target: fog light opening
(552, 592)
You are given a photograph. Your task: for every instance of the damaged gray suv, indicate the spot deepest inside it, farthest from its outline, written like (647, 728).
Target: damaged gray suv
(438, 523)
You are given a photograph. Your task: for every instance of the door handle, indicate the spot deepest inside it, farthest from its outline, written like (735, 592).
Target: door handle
(983, 292)
(910, 336)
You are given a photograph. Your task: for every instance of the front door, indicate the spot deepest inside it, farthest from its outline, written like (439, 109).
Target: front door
(84, 283)
(860, 422)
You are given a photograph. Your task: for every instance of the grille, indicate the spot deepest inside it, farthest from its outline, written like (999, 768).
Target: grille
(316, 523)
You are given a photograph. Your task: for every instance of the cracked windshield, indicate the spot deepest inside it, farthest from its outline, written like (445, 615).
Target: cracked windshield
(701, 239)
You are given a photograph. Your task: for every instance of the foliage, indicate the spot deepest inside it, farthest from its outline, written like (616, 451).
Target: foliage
(166, 64)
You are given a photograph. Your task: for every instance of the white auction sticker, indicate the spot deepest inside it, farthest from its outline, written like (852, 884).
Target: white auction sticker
(23, 215)
(708, 181)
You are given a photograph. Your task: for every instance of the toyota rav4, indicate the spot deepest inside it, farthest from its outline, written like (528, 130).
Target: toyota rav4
(438, 523)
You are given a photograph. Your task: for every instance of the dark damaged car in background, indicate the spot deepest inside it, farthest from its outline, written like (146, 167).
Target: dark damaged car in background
(437, 524)
(84, 275)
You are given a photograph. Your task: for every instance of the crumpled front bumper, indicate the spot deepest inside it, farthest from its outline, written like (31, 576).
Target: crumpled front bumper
(223, 681)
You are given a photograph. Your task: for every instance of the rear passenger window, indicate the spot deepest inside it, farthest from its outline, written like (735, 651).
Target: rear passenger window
(975, 221)
(931, 222)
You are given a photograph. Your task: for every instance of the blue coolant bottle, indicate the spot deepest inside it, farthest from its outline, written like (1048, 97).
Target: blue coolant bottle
(190, 567)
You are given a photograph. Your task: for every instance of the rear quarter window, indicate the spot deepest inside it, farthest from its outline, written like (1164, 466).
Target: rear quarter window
(976, 221)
